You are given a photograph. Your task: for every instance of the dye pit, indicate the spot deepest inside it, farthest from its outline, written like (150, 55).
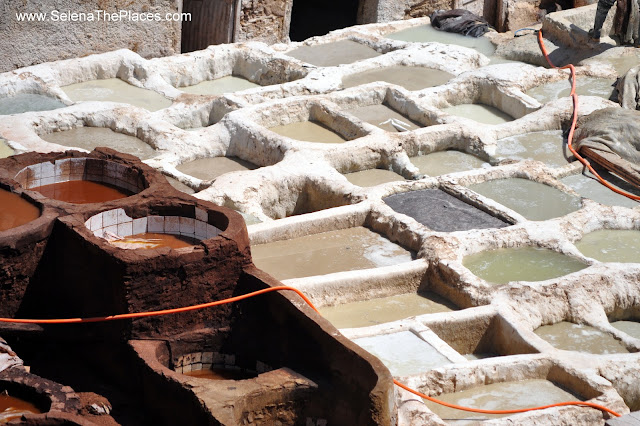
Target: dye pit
(12, 408)
(481, 113)
(82, 191)
(15, 210)
(580, 338)
(386, 261)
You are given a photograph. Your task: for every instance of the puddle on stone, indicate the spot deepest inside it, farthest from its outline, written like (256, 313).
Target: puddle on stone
(426, 33)
(479, 112)
(222, 374)
(403, 353)
(533, 200)
(249, 218)
(611, 245)
(212, 167)
(546, 146)
(442, 212)
(5, 149)
(622, 64)
(385, 118)
(180, 186)
(15, 210)
(498, 396)
(25, 102)
(594, 190)
(632, 328)
(333, 54)
(386, 309)
(411, 78)
(587, 86)
(504, 265)
(445, 162)
(228, 84)
(373, 177)
(116, 90)
(152, 240)
(82, 191)
(580, 338)
(334, 251)
(308, 131)
(90, 138)
(13, 408)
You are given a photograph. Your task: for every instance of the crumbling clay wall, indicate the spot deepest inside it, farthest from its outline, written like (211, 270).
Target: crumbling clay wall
(264, 20)
(55, 36)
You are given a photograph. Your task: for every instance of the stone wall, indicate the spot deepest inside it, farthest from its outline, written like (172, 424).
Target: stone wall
(264, 20)
(56, 37)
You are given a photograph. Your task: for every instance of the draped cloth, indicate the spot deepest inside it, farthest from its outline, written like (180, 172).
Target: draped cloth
(459, 21)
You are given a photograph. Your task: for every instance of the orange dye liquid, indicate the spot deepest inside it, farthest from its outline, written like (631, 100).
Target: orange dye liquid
(82, 192)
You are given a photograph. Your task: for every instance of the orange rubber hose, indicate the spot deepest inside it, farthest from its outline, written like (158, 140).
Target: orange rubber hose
(308, 302)
(574, 121)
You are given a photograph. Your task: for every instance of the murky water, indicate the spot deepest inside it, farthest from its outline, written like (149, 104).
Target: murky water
(590, 188)
(212, 167)
(386, 309)
(5, 149)
(328, 252)
(373, 177)
(385, 118)
(481, 113)
(222, 374)
(116, 90)
(403, 353)
(426, 33)
(544, 146)
(622, 64)
(611, 245)
(25, 102)
(13, 408)
(499, 396)
(91, 137)
(15, 210)
(309, 131)
(474, 357)
(587, 86)
(445, 162)
(503, 265)
(580, 338)
(533, 200)
(152, 240)
(333, 54)
(180, 186)
(228, 84)
(82, 192)
(411, 78)
(632, 328)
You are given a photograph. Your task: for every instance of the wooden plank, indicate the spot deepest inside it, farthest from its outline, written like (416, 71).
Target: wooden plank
(613, 163)
(212, 22)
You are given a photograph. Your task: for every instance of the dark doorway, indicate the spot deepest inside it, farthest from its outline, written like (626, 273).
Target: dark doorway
(317, 17)
(212, 22)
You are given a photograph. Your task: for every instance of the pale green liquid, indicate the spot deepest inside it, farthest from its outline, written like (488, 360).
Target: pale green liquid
(533, 200)
(25, 102)
(333, 54)
(632, 328)
(498, 396)
(5, 150)
(481, 113)
(541, 146)
(586, 86)
(328, 252)
(426, 33)
(308, 131)
(403, 353)
(504, 265)
(411, 78)
(372, 177)
(386, 309)
(445, 162)
(180, 186)
(611, 245)
(594, 190)
(580, 338)
(228, 84)
(90, 138)
(116, 90)
(212, 167)
(384, 117)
